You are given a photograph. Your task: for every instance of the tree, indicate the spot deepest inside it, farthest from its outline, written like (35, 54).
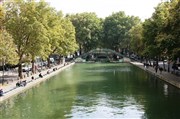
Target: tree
(23, 23)
(154, 37)
(116, 28)
(38, 40)
(2, 15)
(88, 29)
(7, 49)
(136, 37)
(61, 33)
(172, 30)
(55, 33)
(150, 30)
(69, 44)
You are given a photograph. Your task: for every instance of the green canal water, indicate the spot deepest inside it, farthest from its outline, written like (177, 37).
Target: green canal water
(96, 91)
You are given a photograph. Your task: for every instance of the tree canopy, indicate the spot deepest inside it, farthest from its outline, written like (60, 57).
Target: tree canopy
(88, 29)
(38, 30)
(116, 30)
(7, 49)
(29, 29)
(160, 33)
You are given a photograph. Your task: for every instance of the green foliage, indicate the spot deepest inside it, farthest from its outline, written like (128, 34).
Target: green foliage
(149, 35)
(172, 30)
(88, 29)
(37, 41)
(38, 30)
(2, 15)
(69, 44)
(35, 29)
(136, 37)
(55, 31)
(61, 34)
(7, 49)
(161, 31)
(116, 28)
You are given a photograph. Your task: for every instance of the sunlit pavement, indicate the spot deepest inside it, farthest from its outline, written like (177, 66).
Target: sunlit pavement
(164, 75)
(11, 89)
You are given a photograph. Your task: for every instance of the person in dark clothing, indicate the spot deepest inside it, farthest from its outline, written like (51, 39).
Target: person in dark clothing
(160, 69)
(156, 68)
(23, 83)
(1, 92)
(174, 67)
(32, 77)
(40, 75)
(18, 84)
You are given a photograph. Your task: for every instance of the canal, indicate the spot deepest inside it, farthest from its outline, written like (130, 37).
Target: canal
(96, 91)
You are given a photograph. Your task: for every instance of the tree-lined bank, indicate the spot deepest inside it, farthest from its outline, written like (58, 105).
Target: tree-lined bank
(30, 29)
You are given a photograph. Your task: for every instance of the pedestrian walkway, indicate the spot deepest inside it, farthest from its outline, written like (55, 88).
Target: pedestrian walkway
(166, 76)
(11, 89)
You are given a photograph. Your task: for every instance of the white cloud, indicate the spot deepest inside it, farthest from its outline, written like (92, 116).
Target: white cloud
(104, 8)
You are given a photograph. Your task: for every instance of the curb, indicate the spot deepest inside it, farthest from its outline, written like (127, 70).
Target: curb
(17, 90)
(164, 78)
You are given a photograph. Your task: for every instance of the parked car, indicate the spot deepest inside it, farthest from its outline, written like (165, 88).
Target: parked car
(26, 68)
(178, 65)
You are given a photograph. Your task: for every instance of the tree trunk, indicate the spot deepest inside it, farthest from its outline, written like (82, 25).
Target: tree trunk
(80, 49)
(157, 65)
(20, 70)
(141, 58)
(48, 61)
(33, 66)
(59, 60)
(168, 65)
(76, 54)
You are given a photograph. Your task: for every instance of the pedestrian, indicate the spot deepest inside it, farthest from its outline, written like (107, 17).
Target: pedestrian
(18, 84)
(145, 65)
(156, 68)
(1, 92)
(40, 75)
(32, 77)
(154, 64)
(48, 72)
(160, 69)
(174, 67)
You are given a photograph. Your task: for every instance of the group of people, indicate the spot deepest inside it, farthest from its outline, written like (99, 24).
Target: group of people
(156, 67)
(24, 83)
(21, 83)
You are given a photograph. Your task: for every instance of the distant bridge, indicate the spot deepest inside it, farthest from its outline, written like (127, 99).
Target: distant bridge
(101, 55)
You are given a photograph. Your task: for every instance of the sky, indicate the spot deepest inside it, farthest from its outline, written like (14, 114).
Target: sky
(103, 8)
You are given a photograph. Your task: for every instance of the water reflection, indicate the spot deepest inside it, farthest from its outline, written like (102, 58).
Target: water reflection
(106, 107)
(126, 69)
(165, 89)
(96, 91)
